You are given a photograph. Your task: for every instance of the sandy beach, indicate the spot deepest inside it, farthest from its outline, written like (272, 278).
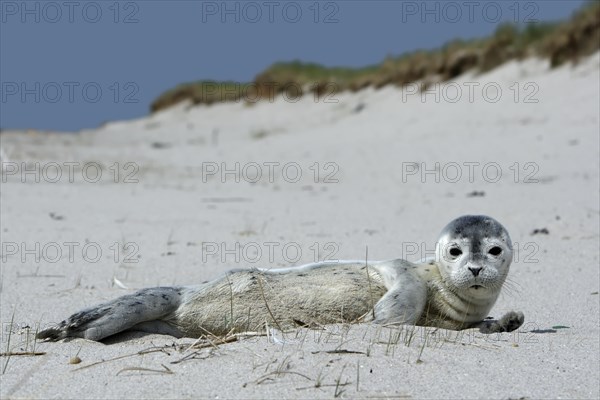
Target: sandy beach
(185, 194)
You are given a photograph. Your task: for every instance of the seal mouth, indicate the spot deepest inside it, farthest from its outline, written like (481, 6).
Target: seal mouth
(477, 287)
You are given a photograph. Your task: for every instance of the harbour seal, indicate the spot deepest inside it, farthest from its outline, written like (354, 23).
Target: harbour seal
(456, 290)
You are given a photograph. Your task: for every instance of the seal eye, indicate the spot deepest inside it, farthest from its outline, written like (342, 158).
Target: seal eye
(495, 251)
(455, 252)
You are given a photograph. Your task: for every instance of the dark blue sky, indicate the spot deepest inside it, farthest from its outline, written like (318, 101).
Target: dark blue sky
(68, 65)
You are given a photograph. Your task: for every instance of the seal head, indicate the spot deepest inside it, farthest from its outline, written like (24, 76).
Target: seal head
(474, 253)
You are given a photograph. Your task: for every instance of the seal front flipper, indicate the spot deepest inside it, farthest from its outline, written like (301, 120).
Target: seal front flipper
(402, 304)
(106, 319)
(509, 322)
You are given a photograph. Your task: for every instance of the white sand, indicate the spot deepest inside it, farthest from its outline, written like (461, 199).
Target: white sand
(170, 212)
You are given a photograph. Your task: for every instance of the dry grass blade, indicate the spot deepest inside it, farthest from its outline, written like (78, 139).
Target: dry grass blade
(12, 319)
(338, 385)
(372, 305)
(338, 351)
(230, 299)
(218, 340)
(139, 353)
(357, 376)
(262, 292)
(277, 373)
(159, 371)
(193, 345)
(192, 356)
(22, 353)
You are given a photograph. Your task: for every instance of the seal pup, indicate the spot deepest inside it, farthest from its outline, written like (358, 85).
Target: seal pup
(456, 290)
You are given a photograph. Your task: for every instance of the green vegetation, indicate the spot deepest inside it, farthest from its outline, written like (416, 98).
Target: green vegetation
(203, 92)
(559, 42)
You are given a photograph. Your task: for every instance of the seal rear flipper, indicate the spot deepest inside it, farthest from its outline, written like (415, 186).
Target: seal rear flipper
(123, 313)
(76, 325)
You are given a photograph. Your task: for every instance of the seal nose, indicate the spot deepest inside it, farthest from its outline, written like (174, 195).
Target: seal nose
(475, 270)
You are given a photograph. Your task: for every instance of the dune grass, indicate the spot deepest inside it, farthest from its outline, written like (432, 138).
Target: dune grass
(560, 42)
